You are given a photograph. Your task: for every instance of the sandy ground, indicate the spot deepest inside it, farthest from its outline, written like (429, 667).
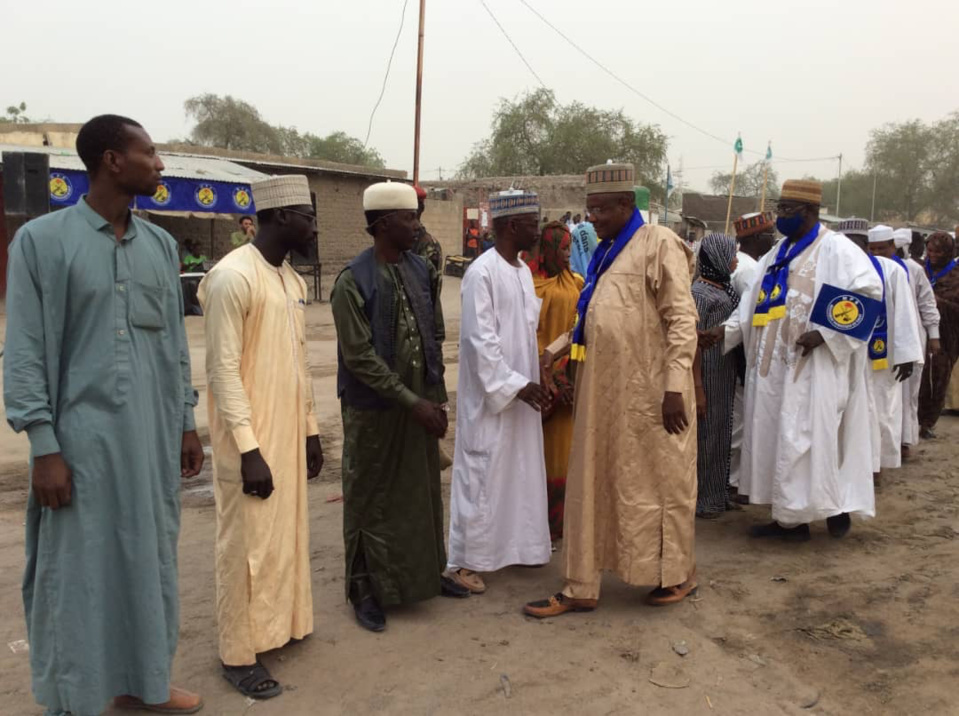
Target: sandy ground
(868, 624)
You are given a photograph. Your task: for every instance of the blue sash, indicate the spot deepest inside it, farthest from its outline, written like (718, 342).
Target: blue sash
(603, 258)
(935, 277)
(771, 302)
(895, 257)
(878, 342)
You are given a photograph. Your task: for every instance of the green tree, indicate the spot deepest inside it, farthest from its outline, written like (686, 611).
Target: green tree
(341, 147)
(15, 114)
(231, 123)
(899, 154)
(856, 197)
(943, 195)
(749, 182)
(536, 135)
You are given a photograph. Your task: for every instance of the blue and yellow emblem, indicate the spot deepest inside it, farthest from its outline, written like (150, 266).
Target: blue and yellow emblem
(846, 312)
(61, 188)
(761, 298)
(241, 198)
(162, 195)
(205, 196)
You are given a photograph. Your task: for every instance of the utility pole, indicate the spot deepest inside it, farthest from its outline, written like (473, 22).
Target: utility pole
(419, 95)
(839, 187)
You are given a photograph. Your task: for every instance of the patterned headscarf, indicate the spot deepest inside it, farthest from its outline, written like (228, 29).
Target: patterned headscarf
(716, 254)
(551, 246)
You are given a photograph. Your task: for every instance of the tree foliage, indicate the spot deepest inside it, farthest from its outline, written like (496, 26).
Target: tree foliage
(914, 168)
(536, 135)
(15, 114)
(748, 182)
(231, 123)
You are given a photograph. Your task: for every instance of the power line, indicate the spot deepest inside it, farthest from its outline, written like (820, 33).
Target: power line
(389, 65)
(510, 40)
(640, 94)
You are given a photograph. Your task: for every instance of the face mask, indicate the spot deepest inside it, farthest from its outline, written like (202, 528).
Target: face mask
(789, 225)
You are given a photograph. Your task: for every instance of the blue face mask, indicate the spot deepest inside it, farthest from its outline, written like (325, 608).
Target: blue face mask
(789, 225)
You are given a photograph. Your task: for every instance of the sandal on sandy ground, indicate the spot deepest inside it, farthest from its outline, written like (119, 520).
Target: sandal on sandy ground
(181, 702)
(253, 681)
(469, 579)
(663, 596)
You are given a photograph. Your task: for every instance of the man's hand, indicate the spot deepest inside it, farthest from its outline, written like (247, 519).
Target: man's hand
(933, 347)
(546, 361)
(257, 478)
(810, 340)
(52, 481)
(904, 371)
(431, 416)
(674, 413)
(535, 396)
(191, 454)
(711, 337)
(700, 401)
(314, 456)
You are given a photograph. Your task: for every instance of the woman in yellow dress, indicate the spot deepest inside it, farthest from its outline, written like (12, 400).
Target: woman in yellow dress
(558, 287)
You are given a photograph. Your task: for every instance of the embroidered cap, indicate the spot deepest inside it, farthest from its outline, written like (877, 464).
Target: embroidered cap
(277, 192)
(756, 223)
(610, 178)
(390, 196)
(513, 202)
(858, 227)
(803, 191)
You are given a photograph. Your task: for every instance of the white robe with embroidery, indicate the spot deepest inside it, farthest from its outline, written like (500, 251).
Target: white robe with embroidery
(928, 315)
(742, 280)
(806, 438)
(498, 508)
(904, 346)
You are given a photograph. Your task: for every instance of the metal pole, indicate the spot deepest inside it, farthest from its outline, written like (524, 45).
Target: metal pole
(666, 203)
(839, 187)
(762, 201)
(732, 188)
(872, 213)
(419, 95)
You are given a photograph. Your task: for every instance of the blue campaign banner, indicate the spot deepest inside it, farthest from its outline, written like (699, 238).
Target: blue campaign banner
(66, 187)
(172, 194)
(846, 312)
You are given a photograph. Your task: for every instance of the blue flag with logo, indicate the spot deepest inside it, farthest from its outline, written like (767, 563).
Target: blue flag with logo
(846, 312)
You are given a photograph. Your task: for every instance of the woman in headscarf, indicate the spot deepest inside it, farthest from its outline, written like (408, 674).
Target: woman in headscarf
(558, 287)
(716, 299)
(937, 371)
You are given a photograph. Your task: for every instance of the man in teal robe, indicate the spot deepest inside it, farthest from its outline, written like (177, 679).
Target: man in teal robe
(97, 372)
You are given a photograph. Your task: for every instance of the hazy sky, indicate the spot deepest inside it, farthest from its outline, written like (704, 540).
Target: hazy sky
(812, 77)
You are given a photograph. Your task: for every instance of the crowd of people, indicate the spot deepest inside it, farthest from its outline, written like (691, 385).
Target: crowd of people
(614, 386)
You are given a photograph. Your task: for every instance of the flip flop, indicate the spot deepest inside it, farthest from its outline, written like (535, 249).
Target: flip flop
(248, 679)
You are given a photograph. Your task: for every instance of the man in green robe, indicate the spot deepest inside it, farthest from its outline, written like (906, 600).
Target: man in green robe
(389, 326)
(97, 372)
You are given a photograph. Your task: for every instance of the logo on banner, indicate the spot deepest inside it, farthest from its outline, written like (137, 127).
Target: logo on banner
(241, 198)
(205, 195)
(61, 188)
(845, 312)
(161, 196)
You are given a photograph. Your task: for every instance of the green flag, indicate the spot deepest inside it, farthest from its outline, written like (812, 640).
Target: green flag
(738, 146)
(769, 153)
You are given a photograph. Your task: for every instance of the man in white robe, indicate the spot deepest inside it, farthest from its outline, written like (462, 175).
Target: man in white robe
(498, 507)
(892, 365)
(806, 442)
(756, 234)
(927, 313)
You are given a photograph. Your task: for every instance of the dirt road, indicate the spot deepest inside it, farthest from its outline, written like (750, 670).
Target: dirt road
(868, 624)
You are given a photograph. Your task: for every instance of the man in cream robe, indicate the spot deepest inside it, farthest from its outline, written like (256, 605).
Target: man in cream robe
(498, 507)
(264, 436)
(631, 484)
(927, 313)
(807, 428)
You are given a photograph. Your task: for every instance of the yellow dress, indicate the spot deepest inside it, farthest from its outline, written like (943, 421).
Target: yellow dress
(559, 295)
(261, 396)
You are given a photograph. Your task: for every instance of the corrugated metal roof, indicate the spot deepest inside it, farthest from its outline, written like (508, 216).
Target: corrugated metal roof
(176, 165)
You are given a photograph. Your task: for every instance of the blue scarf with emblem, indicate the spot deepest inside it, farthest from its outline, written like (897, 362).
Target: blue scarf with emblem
(603, 258)
(771, 302)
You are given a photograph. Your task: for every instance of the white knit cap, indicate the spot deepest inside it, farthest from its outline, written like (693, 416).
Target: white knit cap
(902, 237)
(277, 192)
(879, 234)
(390, 196)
